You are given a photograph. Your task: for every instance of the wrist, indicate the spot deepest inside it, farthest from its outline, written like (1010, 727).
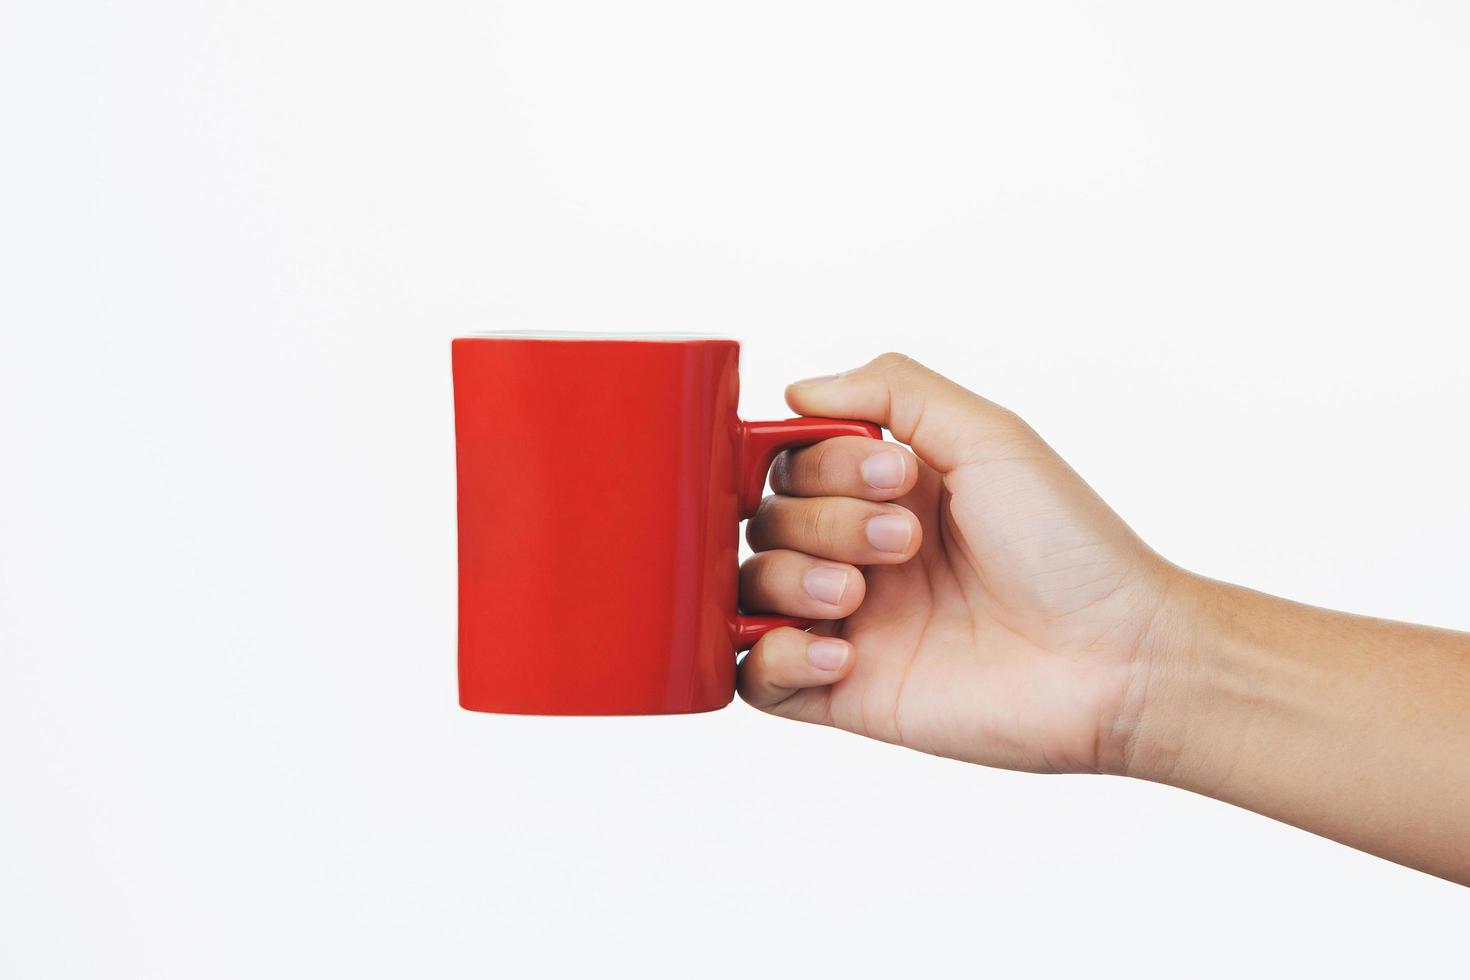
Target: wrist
(1179, 700)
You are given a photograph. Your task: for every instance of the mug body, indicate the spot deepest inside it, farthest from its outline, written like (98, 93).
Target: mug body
(598, 523)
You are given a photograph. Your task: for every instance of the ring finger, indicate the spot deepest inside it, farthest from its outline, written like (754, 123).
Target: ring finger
(794, 584)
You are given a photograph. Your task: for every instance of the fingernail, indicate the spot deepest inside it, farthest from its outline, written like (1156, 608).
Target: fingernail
(883, 471)
(889, 532)
(827, 654)
(819, 379)
(826, 584)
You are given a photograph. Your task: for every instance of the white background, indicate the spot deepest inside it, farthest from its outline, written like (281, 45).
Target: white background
(1217, 254)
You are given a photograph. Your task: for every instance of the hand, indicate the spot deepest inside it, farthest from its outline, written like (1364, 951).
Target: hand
(996, 610)
(1004, 615)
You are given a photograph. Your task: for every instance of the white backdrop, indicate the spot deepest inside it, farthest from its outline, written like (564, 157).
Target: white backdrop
(1217, 254)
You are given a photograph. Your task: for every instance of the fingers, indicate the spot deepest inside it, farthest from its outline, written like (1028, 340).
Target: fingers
(847, 466)
(794, 584)
(946, 424)
(858, 532)
(787, 667)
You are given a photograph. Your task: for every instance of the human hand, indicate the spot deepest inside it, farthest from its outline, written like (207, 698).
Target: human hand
(1003, 614)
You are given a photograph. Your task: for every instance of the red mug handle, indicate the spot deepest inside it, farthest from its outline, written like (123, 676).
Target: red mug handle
(759, 444)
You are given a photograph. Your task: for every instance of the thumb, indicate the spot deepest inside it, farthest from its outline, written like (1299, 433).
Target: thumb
(946, 425)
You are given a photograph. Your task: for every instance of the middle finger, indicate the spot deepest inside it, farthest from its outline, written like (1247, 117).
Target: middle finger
(859, 532)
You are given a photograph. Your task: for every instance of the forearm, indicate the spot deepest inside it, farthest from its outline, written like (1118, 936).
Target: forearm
(1357, 729)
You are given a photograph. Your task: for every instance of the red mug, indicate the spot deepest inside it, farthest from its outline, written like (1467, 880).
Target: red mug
(602, 482)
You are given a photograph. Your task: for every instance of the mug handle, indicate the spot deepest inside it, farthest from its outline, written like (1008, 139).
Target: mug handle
(759, 444)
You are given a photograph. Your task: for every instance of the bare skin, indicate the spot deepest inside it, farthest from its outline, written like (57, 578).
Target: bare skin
(987, 605)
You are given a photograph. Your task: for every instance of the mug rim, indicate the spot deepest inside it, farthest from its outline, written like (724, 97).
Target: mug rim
(584, 335)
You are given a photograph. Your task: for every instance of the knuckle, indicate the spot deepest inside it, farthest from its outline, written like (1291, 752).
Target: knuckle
(811, 519)
(759, 673)
(1008, 419)
(825, 525)
(1011, 428)
(755, 669)
(824, 469)
(780, 643)
(891, 361)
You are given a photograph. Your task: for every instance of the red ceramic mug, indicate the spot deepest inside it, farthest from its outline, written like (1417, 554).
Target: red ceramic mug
(602, 482)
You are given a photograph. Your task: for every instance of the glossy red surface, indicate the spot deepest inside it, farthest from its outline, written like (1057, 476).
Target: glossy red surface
(601, 486)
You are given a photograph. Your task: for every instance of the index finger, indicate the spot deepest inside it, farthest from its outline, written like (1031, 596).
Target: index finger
(846, 466)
